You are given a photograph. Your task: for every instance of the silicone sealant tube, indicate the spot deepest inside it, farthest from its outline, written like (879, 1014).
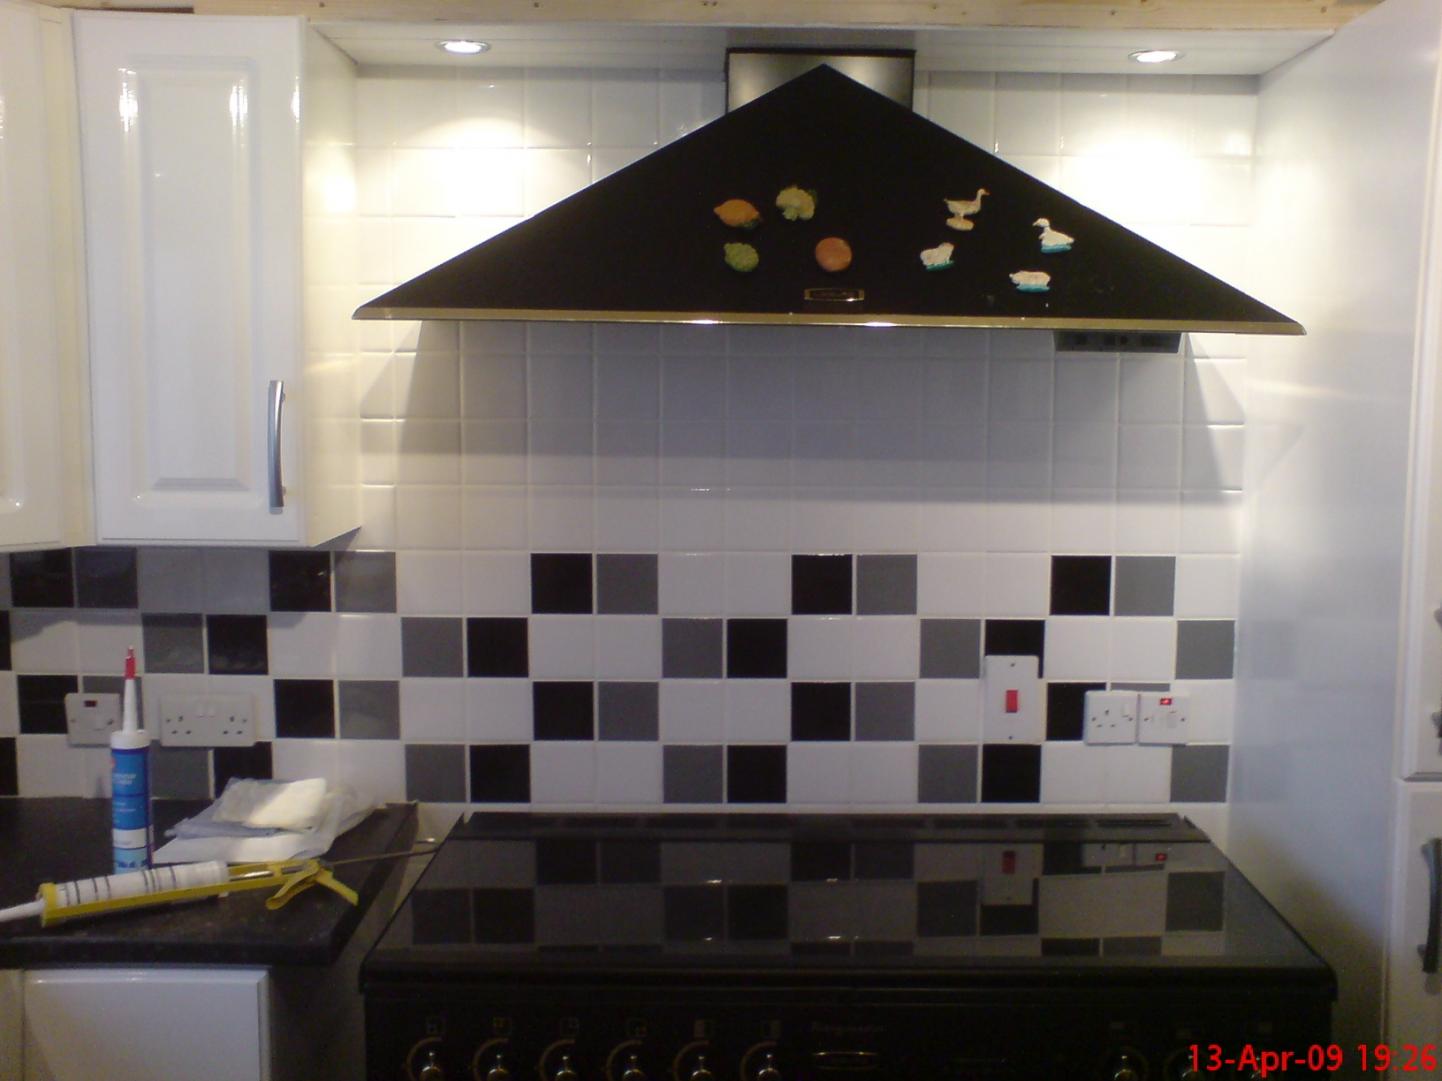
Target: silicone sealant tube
(130, 783)
(56, 897)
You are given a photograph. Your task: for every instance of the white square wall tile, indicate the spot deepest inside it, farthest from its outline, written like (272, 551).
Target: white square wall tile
(758, 583)
(1212, 457)
(821, 647)
(951, 585)
(1212, 714)
(1211, 522)
(1207, 586)
(758, 711)
(563, 772)
(44, 640)
(433, 710)
(1028, 114)
(1149, 456)
(102, 639)
(499, 711)
(628, 519)
(883, 773)
(375, 768)
(9, 705)
(559, 519)
(1073, 773)
(1143, 649)
(693, 711)
(562, 647)
(1018, 585)
(628, 774)
(1085, 456)
(819, 773)
(1083, 522)
(962, 102)
(887, 647)
(626, 107)
(302, 643)
(297, 759)
(692, 518)
(691, 583)
(48, 766)
(948, 710)
(1151, 390)
(1148, 522)
(1078, 648)
(1215, 392)
(368, 644)
(1137, 774)
(558, 108)
(1018, 521)
(628, 647)
(1086, 389)
(428, 517)
(426, 583)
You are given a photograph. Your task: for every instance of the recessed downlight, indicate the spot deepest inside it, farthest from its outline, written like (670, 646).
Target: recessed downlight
(1155, 56)
(463, 46)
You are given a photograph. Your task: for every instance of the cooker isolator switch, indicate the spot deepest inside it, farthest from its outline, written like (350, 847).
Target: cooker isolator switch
(769, 1072)
(702, 1072)
(566, 1072)
(431, 1069)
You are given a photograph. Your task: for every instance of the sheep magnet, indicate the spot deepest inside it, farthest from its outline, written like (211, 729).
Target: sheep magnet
(939, 257)
(963, 209)
(1052, 241)
(1031, 281)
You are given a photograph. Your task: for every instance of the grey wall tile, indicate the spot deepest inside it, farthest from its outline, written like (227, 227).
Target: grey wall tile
(885, 711)
(436, 771)
(628, 711)
(431, 646)
(626, 584)
(365, 581)
(180, 772)
(171, 580)
(946, 774)
(173, 642)
(236, 580)
(691, 774)
(1199, 774)
(691, 648)
(886, 585)
(1145, 585)
(1205, 648)
(950, 648)
(370, 709)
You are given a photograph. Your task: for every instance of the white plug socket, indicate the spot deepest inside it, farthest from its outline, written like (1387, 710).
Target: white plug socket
(90, 718)
(1111, 717)
(1163, 717)
(1012, 696)
(207, 720)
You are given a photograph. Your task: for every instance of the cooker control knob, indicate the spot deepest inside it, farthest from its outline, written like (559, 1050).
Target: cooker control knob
(702, 1072)
(430, 1069)
(498, 1070)
(566, 1072)
(1126, 1067)
(769, 1072)
(633, 1071)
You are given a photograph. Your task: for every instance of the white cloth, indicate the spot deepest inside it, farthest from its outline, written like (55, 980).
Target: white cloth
(275, 805)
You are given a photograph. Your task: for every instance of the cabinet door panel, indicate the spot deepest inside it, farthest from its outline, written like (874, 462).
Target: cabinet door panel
(31, 426)
(191, 169)
(1414, 998)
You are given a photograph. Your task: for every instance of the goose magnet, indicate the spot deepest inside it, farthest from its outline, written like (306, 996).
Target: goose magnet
(1052, 240)
(963, 209)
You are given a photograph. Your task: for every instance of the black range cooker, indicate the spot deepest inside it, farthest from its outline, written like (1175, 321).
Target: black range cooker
(837, 948)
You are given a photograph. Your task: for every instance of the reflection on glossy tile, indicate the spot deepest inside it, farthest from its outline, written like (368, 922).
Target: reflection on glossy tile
(42, 702)
(236, 645)
(253, 763)
(173, 643)
(304, 709)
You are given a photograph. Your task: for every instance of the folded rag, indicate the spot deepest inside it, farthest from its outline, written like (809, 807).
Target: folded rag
(293, 805)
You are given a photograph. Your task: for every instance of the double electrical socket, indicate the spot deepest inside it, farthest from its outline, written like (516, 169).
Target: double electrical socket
(207, 720)
(1129, 717)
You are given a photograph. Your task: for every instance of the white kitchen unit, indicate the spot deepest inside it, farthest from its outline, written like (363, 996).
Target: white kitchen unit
(1337, 761)
(217, 165)
(43, 405)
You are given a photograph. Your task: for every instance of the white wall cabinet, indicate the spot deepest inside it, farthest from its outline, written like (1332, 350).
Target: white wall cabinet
(214, 153)
(43, 495)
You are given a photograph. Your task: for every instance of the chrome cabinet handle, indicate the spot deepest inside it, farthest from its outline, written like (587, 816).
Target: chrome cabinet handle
(276, 405)
(1432, 853)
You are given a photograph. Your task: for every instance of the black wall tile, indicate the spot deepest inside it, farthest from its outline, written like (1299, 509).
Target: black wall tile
(1010, 919)
(5, 641)
(504, 915)
(237, 645)
(442, 917)
(1011, 773)
(106, 578)
(820, 711)
(693, 913)
(820, 585)
(501, 773)
(1081, 585)
(816, 861)
(42, 703)
(300, 581)
(1066, 709)
(42, 579)
(1196, 900)
(630, 861)
(566, 861)
(945, 909)
(563, 710)
(885, 860)
(9, 772)
(497, 647)
(247, 763)
(756, 648)
(560, 582)
(1017, 638)
(756, 913)
(756, 774)
(304, 709)
(1071, 947)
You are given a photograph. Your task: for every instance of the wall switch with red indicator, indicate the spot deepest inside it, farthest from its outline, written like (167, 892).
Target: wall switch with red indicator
(1011, 693)
(1009, 873)
(1162, 717)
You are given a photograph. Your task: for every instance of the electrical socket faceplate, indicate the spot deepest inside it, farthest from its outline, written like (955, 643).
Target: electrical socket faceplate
(1111, 717)
(1012, 696)
(1009, 873)
(207, 720)
(90, 718)
(1162, 717)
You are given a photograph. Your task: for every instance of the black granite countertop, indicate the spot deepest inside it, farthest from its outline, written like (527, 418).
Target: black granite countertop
(54, 840)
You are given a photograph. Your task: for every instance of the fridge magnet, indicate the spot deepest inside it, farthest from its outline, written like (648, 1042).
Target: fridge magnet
(939, 257)
(739, 214)
(1052, 241)
(833, 254)
(1031, 281)
(742, 258)
(796, 203)
(962, 209)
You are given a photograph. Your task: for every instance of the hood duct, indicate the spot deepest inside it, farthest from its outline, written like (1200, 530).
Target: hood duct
(645, 245)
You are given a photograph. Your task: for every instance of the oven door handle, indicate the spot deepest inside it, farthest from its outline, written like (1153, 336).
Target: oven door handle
(1432, 854)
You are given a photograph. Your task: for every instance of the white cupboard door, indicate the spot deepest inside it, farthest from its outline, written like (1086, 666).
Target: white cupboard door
(1414, 997)
(191, 169)
(32, 425)
(12, 1059)
(143, 1024)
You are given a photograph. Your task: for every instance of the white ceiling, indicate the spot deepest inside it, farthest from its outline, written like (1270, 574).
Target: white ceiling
(373, 44)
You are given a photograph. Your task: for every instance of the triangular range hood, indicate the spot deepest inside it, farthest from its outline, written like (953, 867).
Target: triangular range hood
(643, 244)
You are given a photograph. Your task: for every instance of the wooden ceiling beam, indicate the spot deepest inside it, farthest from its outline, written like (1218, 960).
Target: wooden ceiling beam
(1056, 14)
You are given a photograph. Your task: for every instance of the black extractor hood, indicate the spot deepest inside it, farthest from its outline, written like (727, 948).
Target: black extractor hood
(647, 244)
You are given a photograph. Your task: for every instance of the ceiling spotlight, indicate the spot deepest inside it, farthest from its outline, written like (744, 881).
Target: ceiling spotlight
(463, 47)
(1156, 56)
